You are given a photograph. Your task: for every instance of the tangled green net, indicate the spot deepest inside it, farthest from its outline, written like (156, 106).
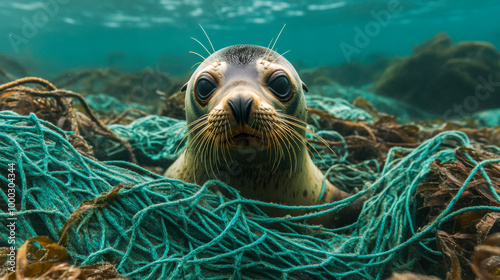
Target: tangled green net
(160, 228)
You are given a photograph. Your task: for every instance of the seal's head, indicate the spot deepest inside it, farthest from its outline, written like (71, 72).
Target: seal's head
(246, 97)
(246, 112)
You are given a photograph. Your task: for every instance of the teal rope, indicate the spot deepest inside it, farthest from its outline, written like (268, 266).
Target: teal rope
(163, 228)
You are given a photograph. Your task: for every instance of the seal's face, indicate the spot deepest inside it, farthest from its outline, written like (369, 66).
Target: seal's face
(245, 97)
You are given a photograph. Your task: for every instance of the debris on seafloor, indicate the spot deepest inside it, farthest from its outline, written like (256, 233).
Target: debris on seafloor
(48, 261)
(457, 239)
(455, 73)
(173, 106)
(139, 87)
(56, 106)
(467, 237)
(411, 276)
(348, 74)
(486, 258)
(11, 69)
(108, 108)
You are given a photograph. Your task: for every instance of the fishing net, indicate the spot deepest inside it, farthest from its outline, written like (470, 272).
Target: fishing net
(104, 102)
(151, 227)
(403, 110)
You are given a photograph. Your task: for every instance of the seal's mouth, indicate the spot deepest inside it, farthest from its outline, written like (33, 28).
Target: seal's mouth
(245, 137)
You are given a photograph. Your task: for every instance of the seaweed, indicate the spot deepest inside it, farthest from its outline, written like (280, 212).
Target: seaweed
(458, 238)
(466, 238)
(173, 106)
(347, 74)
(369, 141)
(49, 261)
(411, 276)
(11, 68)
(442, 77)
(138, 87)
(56, 106)
(486, 258)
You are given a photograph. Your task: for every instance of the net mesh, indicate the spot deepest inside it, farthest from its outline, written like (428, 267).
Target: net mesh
(158, 228)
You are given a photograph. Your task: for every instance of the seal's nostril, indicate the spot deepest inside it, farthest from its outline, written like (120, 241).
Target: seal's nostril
(234, 108)
(241, 107)
(246, 108)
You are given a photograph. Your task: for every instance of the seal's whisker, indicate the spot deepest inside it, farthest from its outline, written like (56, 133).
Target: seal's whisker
(294, 154)
(204, 149)
(288, 147)
(196, 140)
(196, 64)
(210, 41)
(264, 130)
(209, 53)
(297, 136)
(280, 153)
(279, 34)
(272, 48)
(283, 152)
(231, 133)
(277, 153)
(292, 118)
(279, 150)
(201, 151)
(280, 55)
(295, 139)
(279, 133)
(306, 129)
(267, 50)
(192, 52)
(195, 163)
(285, 129)
(195, 128)
(276, 150)
(212, 153)
(304, 142)
(260, 130)
(198, 123)
(203, 145)
(216, 146)
(202, 118)
(227, 146)
(209, 148)
(197, 143)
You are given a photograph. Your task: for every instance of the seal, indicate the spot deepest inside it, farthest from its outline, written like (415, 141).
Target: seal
(246, 113)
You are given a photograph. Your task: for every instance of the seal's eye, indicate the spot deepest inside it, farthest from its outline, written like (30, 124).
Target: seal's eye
(205, 86)
(280, 85)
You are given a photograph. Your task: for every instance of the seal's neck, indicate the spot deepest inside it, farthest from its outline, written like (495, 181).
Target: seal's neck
(288, 182)
(261, 163)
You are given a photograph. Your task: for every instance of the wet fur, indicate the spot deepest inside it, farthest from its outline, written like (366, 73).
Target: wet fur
(294, 179)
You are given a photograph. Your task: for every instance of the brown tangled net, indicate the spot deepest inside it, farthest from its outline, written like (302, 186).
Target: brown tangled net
(469, 243)
(56, 106)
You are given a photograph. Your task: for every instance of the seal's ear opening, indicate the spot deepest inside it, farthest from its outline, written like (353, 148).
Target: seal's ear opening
(304, 87)
(184, 87)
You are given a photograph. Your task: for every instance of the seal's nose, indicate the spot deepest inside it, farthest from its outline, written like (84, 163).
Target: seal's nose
(240, 105)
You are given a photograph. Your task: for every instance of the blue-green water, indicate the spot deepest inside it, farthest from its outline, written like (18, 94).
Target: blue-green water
(152, 227)
(55, 35)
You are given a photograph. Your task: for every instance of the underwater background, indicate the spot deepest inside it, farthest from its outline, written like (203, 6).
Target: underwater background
(405, 93)
(55, 35)
(359, 38)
